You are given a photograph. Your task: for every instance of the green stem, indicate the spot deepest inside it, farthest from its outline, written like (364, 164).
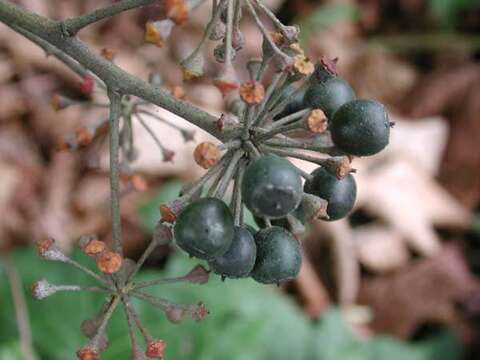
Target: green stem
(114, 121)
(72, 26)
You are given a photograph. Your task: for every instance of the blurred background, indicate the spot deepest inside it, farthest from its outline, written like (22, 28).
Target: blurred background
(399, 278)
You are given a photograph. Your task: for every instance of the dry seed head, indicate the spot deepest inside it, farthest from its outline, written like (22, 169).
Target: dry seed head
(199, 312)
(157, 32)
(302, 65)
(156, 349)
(48, 250)
(94, 247)
(175, 314)
(206, 154)
(88, 354)
(152, 35)
(277, 38)
(252, 92)
(317, 121)
(109, 262)
(42, 289)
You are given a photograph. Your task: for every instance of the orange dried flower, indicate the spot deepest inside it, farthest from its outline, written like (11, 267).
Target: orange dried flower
(303, 65)
(156, 349)
(152, 35)
(108, 54)
(94, 247)
(109, 262)
(317, 121)
(252, 92)
(88, 354)
(206, 154)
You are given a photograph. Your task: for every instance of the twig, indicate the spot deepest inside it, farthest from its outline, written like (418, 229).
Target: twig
(114, 121)
(21, 309)
(72, 26)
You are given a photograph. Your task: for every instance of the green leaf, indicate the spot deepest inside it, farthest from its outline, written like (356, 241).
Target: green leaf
(247, 321)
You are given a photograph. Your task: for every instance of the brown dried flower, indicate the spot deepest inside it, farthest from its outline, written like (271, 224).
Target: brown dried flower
(252, 92)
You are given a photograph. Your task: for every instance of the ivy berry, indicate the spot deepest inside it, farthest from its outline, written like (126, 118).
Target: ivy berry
(271, 187)
(340, 193)
(204, 229)
(278, 256)
(329, 95)
(361, 127)
(239, 259)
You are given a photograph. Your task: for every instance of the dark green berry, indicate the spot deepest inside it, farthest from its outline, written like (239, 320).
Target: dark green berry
(361, 127)
(340, 193)
(278, 256)
(239, 259)
(272, 187)
(329, 95)
(204, 228)
(295, 103)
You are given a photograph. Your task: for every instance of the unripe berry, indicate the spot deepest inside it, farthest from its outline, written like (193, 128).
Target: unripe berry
(278, 256)
(340, 193)
(272, 187)
(361, 127)
(205, 228)
(329, 95)
(239, 259)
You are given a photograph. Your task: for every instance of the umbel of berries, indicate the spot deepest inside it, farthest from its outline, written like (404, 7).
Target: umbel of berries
(204, 229)
(272, 187)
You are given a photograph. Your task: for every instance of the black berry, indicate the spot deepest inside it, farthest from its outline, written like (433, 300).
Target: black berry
(329, 95)
(239, 259)
(340, 193)
(272, 187)
(361, 127)
(278, 256)
(204, 228)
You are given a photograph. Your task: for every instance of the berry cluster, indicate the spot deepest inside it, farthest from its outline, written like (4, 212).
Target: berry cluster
(319, 121)
(306, 112)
